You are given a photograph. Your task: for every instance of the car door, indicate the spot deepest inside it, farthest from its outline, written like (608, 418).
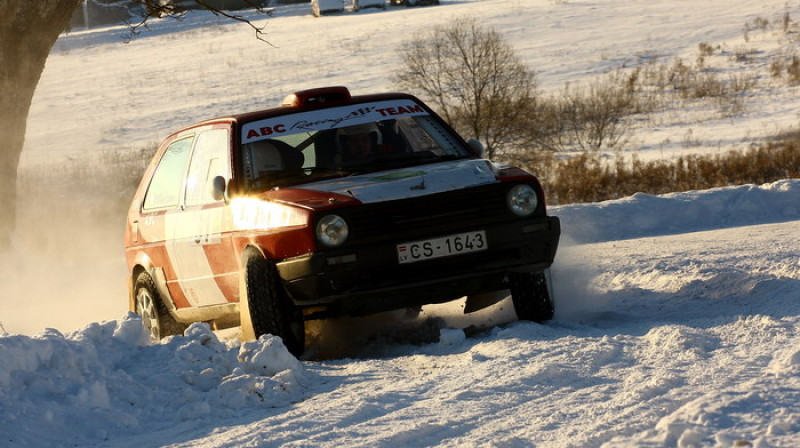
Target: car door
(161, 203)
(199, 249)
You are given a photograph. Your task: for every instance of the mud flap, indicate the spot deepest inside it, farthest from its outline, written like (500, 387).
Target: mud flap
(480, 301)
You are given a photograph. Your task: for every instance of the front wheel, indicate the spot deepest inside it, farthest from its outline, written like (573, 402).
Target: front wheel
(265, 307)
(530, 296)
(155, 316)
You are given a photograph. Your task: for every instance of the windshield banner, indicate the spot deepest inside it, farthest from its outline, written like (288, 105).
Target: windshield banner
(332, 118)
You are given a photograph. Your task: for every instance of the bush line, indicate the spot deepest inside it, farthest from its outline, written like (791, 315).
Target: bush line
(589, 178)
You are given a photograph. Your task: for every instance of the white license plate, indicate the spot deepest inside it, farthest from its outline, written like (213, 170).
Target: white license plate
(445, 246)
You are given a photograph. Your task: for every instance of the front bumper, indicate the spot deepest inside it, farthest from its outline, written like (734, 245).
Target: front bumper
(368, 278)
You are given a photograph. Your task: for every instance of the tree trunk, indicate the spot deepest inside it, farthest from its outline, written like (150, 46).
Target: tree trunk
(28, 30)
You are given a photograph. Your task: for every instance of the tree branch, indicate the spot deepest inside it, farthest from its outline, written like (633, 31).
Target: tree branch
(169, 9)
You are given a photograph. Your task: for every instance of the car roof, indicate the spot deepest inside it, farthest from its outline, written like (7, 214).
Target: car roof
(343, 97)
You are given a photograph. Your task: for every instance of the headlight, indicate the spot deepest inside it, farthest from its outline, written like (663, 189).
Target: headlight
(332, 230)
(522, 200)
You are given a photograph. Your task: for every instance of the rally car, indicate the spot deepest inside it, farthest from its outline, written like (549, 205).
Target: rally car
(330, 205)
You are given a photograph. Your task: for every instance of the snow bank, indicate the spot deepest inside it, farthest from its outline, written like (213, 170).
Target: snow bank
(106, 379)
(643, 215)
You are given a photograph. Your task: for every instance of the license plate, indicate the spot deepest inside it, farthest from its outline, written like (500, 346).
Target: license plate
(460, 243)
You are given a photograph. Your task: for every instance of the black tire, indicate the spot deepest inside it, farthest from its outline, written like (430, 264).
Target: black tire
(267, 308)
(531, 297)
(155, 316)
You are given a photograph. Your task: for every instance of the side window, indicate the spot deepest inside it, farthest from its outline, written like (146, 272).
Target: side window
(210, 159)
(165, 187)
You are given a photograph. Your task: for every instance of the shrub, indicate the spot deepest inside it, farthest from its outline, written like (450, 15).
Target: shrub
(585, 117)
(596, 115)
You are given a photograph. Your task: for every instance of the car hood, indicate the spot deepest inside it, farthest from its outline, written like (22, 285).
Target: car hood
(410, 182)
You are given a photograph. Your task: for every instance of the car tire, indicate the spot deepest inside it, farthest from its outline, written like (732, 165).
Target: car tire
(156, 319)
(265, 307)
(531, 296)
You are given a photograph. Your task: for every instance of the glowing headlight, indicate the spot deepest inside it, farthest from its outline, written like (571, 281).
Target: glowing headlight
(522, 200)
(332, 230)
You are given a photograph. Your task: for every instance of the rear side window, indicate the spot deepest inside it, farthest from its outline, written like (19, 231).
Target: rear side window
(167, 183)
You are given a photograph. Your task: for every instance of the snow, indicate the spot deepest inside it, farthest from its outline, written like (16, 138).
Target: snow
(677, 315)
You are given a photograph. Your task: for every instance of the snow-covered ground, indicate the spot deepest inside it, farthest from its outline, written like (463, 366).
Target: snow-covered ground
(685, 336)
(677, 316)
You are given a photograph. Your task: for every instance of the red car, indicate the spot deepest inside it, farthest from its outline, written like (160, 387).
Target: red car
(330, 205)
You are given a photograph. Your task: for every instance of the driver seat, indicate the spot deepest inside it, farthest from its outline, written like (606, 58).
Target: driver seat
(275, 155)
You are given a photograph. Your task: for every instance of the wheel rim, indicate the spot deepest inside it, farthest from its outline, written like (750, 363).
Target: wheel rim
(145, 307)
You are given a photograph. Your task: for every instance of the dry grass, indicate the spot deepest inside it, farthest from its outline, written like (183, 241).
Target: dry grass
(588, 178)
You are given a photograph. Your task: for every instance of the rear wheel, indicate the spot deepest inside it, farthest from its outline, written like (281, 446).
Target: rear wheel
(155, 316)
(266, 308)
(531, 297)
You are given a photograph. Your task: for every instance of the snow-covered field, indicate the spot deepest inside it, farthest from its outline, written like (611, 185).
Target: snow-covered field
(669, 339)
(676, 320)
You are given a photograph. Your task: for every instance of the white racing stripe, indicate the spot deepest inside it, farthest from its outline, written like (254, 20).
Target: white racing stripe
(188, 232)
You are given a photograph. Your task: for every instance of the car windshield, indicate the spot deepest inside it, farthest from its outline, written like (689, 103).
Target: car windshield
(343, 141)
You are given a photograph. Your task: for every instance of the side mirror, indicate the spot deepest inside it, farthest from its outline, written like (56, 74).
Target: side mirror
(477, 146)
(218, 187)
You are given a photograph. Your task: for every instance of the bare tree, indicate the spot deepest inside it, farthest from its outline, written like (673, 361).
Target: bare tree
(28, 30)
(595, 116)
(474, 78)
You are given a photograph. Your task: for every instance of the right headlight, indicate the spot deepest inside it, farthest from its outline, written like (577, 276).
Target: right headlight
(522, 200)
(332, 230)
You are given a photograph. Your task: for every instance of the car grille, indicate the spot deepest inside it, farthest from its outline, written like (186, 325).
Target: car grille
(427, 215)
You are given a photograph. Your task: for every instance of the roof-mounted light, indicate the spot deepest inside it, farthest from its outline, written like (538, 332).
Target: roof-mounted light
(317, 97)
